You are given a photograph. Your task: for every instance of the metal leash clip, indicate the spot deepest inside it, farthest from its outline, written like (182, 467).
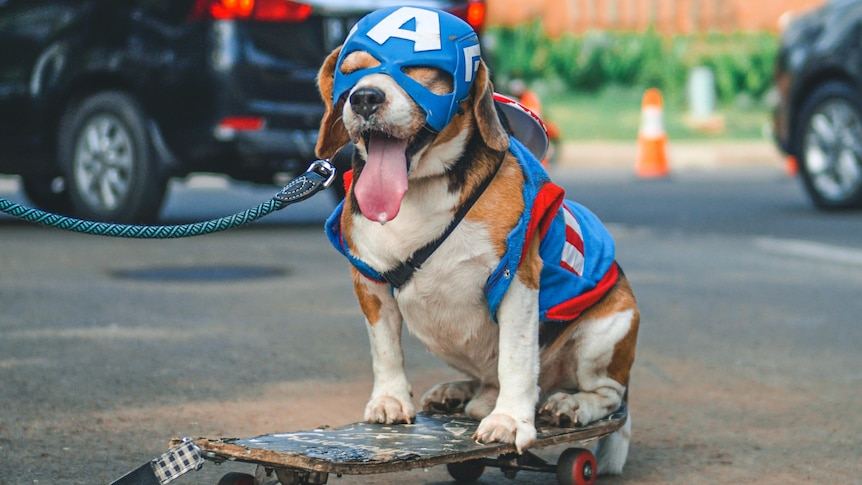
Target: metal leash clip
(319, 175)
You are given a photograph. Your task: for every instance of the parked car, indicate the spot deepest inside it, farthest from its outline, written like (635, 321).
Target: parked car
(103, 101)
(818, 119)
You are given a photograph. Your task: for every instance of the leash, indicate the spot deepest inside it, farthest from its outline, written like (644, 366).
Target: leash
(319, 175)
(187, 456)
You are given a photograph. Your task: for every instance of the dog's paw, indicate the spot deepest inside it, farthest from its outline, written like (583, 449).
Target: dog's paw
(567, 410)
(389, 410)
(502, 428)
(449, 397)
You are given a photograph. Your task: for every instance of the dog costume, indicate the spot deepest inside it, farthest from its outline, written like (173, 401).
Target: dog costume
(576, 249)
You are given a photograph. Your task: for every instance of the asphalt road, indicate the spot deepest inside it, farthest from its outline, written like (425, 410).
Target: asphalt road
(748, 366)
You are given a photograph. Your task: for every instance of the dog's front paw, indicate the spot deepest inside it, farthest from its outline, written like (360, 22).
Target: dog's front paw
(499, 427)
(389, 410)
(449, 397)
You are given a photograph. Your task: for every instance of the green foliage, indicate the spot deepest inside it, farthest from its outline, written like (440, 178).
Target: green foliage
(613, 113)
(742, 62)
(519, 55)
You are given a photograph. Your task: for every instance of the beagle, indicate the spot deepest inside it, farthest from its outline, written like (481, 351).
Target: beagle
(454, 229)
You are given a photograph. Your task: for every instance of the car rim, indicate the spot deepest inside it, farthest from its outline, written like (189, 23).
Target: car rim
(833, 151)
(103, 162)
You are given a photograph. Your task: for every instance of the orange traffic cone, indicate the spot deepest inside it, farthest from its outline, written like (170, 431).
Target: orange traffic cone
(791, 166)
(652, 139)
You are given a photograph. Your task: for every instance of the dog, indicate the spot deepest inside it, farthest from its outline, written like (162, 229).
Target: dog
(453, 228)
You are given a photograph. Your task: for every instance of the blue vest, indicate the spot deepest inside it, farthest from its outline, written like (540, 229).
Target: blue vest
(576, 249)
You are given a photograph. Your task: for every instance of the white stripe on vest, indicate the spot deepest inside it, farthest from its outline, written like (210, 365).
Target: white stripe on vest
(573, 250)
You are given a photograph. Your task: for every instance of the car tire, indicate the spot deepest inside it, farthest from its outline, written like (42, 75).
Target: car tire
(45, 193)
(828, 138)
(106, 155)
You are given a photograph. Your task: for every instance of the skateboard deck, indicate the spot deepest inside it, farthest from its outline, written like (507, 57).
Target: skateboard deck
(365, 448)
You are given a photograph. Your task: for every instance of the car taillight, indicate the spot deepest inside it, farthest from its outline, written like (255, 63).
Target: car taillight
(473, 14)
(281, 11)
(228, 127)
(476, 15)
(260, 10)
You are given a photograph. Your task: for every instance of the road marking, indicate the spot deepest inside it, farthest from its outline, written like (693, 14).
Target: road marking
(109, 332)
(811, 250)
(206, 181)
(9, 185)
(10, 363)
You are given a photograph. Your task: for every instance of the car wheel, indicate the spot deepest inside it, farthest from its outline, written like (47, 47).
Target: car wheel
(108, 160)
(47, 193)
(829, 146)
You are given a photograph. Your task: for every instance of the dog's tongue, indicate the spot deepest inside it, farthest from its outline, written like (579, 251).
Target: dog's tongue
(382, 183)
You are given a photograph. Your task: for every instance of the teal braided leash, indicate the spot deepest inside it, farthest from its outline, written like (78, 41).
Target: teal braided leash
(58, 221)
(319, 175)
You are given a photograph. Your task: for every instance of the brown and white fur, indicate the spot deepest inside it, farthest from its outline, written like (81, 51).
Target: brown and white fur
(572, 374)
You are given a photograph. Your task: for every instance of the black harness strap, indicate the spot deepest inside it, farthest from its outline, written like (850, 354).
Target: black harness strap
(401, 274)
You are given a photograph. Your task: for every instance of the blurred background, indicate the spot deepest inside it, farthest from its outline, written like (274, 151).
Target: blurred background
(592, 57)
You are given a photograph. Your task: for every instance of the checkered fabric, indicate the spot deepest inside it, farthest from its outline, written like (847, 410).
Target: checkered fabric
(176, 462)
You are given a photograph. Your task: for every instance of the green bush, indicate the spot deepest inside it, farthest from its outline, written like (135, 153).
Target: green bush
(518, 52)
(742, 62)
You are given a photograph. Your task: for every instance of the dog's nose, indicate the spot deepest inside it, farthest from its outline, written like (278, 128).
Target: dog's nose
(366, 101)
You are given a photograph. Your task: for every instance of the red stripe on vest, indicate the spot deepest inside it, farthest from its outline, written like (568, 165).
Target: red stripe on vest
(545, 207)
(572, 257)
(573, 308)
(573, 238)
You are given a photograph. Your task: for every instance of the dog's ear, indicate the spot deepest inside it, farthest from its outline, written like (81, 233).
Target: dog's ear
(332, 134)
(490, 128)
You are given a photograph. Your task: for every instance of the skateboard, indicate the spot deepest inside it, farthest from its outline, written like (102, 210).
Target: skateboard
(309, 457)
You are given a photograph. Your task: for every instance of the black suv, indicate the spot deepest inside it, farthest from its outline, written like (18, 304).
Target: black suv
(818, 118)
(103, 101)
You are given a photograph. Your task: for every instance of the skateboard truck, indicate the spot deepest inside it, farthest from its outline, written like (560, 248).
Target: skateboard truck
(575, 466)
(296, 477)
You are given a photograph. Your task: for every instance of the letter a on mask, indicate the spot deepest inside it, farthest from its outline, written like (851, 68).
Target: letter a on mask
(426, 37)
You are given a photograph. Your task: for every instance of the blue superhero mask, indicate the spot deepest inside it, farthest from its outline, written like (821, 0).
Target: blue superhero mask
(401, 37)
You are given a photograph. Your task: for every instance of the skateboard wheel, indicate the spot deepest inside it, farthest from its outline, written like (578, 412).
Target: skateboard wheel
(577, 466)
(236, 478)
(465, 471)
